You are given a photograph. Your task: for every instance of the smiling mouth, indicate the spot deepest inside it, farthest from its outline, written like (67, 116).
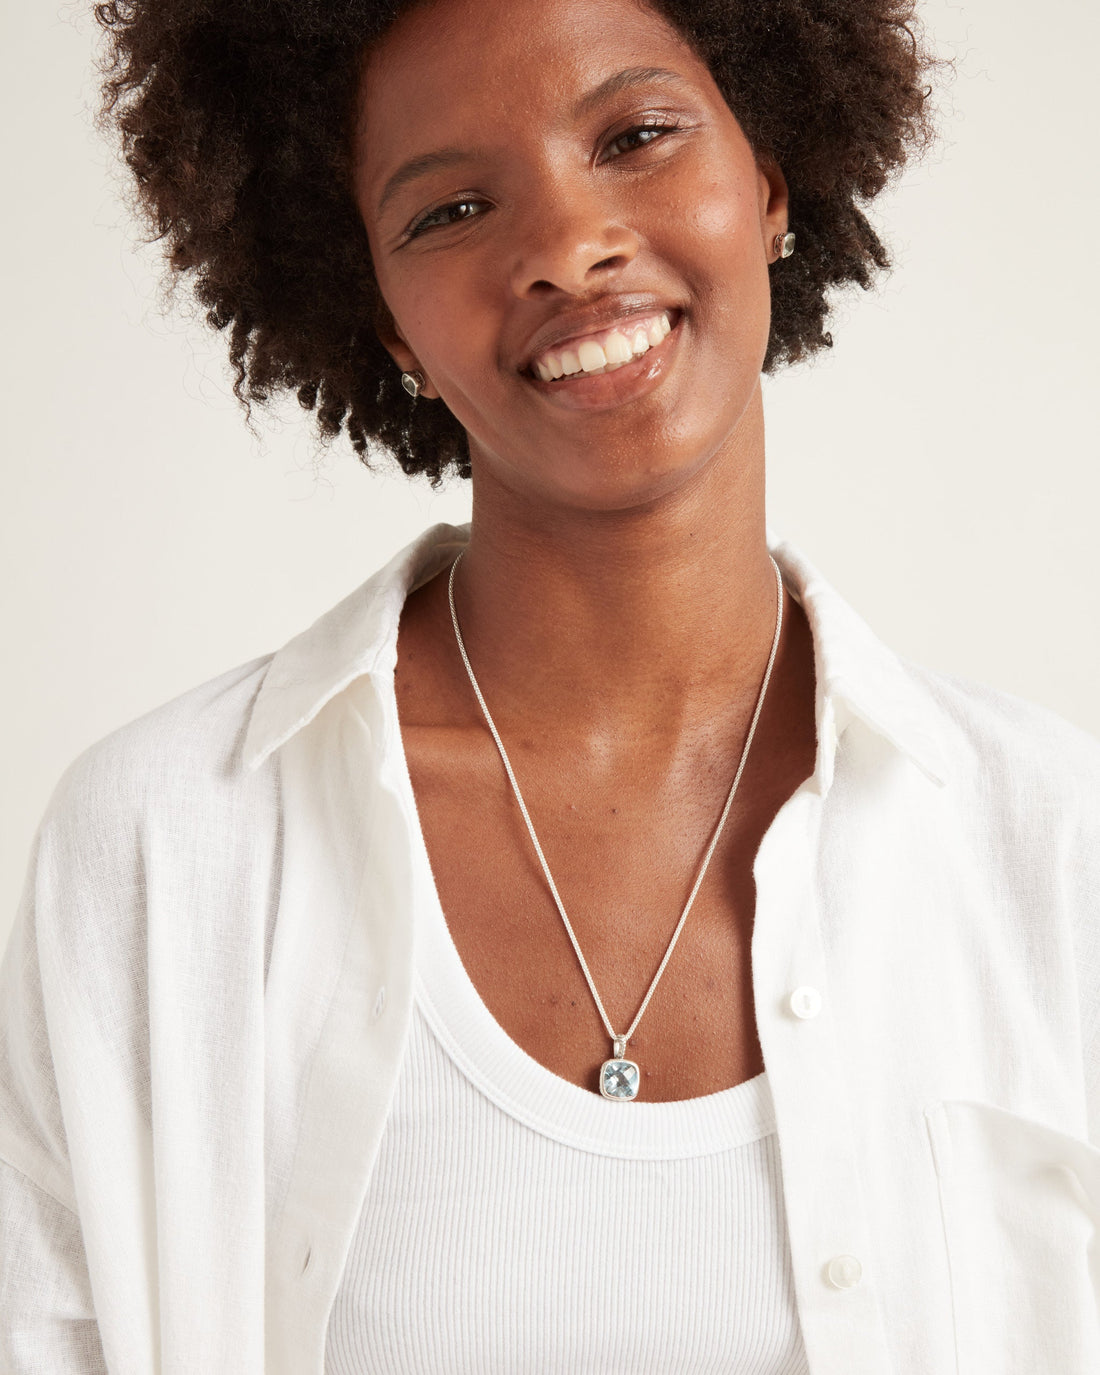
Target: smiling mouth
(591, 355)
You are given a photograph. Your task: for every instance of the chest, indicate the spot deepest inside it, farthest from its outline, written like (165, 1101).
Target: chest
(624, 863)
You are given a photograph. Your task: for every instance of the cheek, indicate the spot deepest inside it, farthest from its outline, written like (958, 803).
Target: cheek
(449, 323)
(438, 321)
(711, 228)
(413, 307)
(731, 288)
(719, 211)
(724, 220)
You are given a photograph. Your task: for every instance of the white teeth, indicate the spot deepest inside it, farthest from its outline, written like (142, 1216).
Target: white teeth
(592, 356)
(618, 348)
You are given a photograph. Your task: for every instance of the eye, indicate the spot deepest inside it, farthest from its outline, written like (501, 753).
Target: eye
(642, 134)
(454, 212)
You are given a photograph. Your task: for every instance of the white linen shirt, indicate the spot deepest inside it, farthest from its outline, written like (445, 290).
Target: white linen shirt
(205, 1001)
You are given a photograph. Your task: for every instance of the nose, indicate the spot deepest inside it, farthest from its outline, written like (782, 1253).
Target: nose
(569, 239)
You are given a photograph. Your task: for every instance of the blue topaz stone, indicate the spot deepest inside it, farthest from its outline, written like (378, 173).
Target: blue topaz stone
(619, 1080)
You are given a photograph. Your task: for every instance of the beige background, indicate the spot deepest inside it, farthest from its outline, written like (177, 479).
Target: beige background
(940, 466)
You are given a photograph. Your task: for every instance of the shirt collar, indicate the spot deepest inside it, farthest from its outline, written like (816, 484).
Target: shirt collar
(857, 676)
(357, 636)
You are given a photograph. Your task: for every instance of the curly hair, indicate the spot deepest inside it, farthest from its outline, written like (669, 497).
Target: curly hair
(236, 119)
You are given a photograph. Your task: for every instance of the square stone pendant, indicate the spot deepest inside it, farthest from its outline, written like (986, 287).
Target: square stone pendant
(619, 1080)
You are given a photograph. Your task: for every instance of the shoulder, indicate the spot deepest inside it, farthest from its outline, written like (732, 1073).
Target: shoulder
(158, 837)
(177, 758)
(1003, 728)
(1030, 758)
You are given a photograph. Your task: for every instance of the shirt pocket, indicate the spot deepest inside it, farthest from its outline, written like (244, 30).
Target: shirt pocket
(1021, 1207)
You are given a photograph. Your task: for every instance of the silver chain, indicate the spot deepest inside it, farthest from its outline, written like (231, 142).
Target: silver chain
(615, 1037)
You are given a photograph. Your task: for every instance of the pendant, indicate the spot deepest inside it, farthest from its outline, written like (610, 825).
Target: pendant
(619, 1078)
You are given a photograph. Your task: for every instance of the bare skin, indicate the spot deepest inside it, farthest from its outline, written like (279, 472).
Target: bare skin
(616, 599)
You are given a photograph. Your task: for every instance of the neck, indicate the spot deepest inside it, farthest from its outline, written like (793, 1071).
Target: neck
(642, 622)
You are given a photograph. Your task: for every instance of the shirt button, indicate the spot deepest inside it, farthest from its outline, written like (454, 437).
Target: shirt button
(805, 1002)
(844, 1272)
(379, 1004)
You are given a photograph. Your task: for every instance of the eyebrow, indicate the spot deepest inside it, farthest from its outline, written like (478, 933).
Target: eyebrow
(622, 81)
(449, 157)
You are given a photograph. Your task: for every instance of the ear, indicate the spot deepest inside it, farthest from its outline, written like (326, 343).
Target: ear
(774, 202)
(388, 331)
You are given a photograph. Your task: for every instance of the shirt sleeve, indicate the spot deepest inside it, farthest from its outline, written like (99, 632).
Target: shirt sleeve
(1073, 763)
(47, 1315)
(1084, 877)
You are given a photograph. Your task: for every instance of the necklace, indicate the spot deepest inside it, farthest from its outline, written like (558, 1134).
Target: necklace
(620, 1078)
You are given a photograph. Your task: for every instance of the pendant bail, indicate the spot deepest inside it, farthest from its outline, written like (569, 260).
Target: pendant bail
(618, 1046)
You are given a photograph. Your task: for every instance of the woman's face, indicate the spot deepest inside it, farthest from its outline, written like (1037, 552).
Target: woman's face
(536, 177)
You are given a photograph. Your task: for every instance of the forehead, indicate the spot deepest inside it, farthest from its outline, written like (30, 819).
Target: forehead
(471, 60)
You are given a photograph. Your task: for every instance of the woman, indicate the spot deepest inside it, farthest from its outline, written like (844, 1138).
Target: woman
(586, 947)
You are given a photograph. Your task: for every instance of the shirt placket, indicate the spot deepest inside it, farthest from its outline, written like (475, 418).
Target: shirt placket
(836, 1286)
(357, 943)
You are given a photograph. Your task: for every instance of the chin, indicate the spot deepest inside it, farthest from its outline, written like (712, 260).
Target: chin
(629, 487)
(617, 467)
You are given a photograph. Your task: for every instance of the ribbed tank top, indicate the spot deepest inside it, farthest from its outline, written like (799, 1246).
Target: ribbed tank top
(515, 1223)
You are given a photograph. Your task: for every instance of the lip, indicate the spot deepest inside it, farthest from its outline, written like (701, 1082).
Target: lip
(603, 390)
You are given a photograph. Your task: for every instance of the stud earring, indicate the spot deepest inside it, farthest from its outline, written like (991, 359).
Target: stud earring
(413, 382)
(783, 245)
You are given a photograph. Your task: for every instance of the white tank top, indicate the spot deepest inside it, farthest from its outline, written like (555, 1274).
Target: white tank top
(515, 1223)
